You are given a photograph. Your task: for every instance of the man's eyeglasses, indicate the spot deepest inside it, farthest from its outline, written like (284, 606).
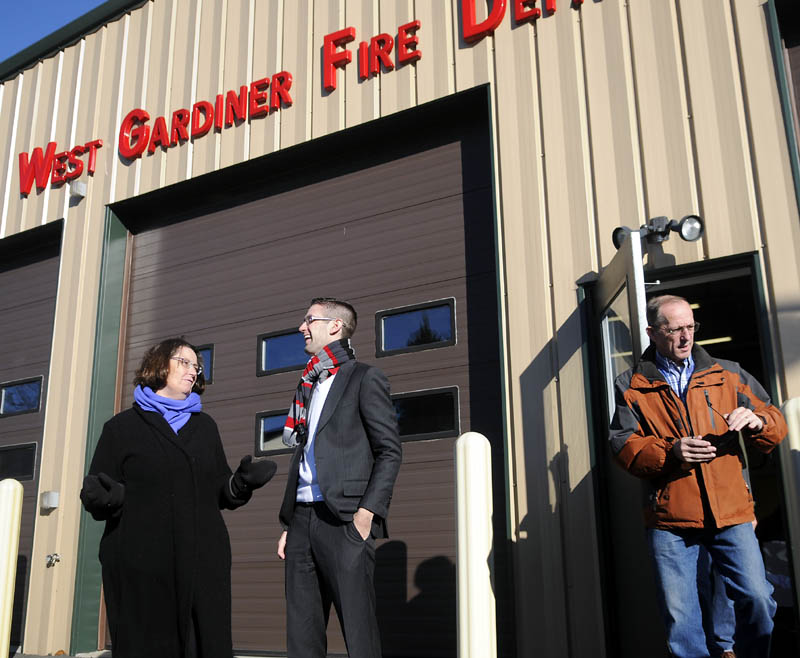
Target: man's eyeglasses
(188, 364)
(691, 328)
(313, 318)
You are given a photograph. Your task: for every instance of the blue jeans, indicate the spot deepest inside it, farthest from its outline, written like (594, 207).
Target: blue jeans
(735, 553)
(719, 617)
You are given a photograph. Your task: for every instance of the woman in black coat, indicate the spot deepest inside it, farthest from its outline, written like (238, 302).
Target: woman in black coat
(158, 479)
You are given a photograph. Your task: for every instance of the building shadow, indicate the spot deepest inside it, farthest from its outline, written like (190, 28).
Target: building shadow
(425, 624)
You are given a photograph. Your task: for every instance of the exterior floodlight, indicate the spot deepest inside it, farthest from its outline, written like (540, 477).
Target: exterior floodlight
(619, 235)
(690, 228)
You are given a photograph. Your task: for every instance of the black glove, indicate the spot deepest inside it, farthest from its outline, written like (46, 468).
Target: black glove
(252, 475)
(100, 491)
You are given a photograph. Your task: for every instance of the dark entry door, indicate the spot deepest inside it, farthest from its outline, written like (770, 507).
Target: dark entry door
(727, 300)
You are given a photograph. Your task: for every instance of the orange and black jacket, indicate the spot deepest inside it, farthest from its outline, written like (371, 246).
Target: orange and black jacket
(649, 418)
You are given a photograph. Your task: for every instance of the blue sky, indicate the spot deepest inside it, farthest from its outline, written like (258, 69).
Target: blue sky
(24, 22)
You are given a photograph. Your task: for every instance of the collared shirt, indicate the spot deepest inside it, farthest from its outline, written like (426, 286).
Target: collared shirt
(308, 490)
(677, 376)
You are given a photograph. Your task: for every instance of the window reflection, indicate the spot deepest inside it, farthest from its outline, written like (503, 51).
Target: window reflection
(281, 351)
(269, 431)
(423, 326)
(21, 397)
(206, 355)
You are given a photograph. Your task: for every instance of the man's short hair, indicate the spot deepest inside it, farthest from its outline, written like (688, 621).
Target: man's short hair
(344, 311)
(654, 316)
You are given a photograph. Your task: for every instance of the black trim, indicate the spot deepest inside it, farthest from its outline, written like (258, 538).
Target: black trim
(18, 382)
(441, 434)
(257, 451)
(380, 315)
(260, 341)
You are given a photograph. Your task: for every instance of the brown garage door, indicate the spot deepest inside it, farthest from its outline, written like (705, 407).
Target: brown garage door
(28, 282)
(385, 233)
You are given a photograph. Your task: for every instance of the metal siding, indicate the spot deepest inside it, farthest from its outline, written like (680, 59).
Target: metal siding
(27, 304)
(268, 60)
(717, 114)
(298, 57)
(435, 70)
(182, 54)
(12, 92)
(666, 141)
(236, 72)
(327, 109)
(398, 86)
(248, 284)
(362, 97)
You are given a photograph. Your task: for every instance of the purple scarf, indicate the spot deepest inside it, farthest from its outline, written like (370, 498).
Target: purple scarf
(175, 412)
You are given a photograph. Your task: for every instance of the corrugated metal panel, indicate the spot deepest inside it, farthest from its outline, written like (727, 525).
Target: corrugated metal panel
(267, 61)
(362, 97)
(436, 69)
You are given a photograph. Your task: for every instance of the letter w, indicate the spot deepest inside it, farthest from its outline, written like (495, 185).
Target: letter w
(39, 166)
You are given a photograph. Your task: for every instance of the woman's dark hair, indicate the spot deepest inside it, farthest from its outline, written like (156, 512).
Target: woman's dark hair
(154, 368)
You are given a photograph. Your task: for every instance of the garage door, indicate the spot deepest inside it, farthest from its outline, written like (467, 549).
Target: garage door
(28, 282)
(408, 239)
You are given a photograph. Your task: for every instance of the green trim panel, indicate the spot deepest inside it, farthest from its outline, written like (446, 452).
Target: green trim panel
(85, 613)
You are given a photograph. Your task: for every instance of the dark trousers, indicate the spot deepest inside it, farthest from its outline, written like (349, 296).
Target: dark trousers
(327, 562)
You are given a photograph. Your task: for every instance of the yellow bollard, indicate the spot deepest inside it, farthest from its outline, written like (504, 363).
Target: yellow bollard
(10, 517)
(477, 632)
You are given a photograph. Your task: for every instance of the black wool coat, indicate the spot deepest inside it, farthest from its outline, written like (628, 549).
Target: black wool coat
(165, 554)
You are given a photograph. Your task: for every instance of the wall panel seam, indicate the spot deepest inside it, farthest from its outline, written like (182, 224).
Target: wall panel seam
(251, 14)
(162, 177)
(11, 149)
(145, 68)
(75, 107)
(195, 74)
(53, 123)
(223, 42)
(115, 164)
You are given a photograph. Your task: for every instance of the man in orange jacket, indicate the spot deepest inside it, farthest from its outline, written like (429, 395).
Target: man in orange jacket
(677, 421)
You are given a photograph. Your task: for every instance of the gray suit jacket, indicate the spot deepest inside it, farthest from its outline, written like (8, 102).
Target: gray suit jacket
(357, 449)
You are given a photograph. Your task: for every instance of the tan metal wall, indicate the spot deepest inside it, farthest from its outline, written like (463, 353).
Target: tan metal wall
(605, 113)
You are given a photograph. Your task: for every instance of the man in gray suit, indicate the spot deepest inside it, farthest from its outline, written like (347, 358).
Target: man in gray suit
(340, 483)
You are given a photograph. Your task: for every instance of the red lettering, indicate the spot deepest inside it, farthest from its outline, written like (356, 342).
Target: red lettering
(258, 99)
(93, 146)
(379, 49)
(207, 110)
(38, 167)
(180, 121)
(236, 106)
(332, 59)
(550, 6)
(133, 134)
(407, 42)
(474, 31)
(75, 163)
(218, 112)
(524, 10)
(281, 84)
(59, 167)
(363, 60)
(160, 135)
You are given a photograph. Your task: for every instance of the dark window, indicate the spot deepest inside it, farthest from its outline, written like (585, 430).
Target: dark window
(429, 414)
(413, 328)
(20, 397)
(206, 355)
(280, 351)
(18, 462)
(269, 431)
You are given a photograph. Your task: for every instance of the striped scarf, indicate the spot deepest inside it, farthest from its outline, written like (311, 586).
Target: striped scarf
(322, 365)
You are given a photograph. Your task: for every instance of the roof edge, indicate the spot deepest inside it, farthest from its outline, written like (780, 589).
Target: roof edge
(66, 36)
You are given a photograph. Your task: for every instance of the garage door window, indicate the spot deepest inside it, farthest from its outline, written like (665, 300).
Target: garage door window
(18, 461)
(428, 414)
(269, 430)
(206, 354)
(414, 328)
(280, 351)
(20, 397)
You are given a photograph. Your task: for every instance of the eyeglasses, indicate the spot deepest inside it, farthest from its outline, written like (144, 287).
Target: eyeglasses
(313, 318)
(188, 364)
(691, 328)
